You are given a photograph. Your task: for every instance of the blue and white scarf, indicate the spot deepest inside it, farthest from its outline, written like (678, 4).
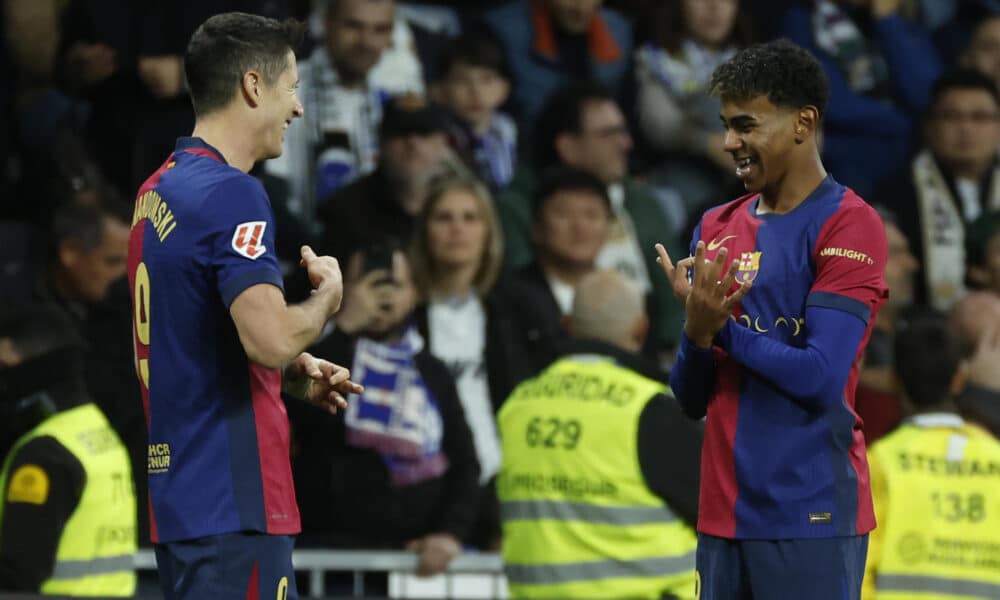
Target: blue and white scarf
(397, 416)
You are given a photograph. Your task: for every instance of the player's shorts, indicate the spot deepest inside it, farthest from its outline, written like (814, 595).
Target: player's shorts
(813, 569)
(233, 566)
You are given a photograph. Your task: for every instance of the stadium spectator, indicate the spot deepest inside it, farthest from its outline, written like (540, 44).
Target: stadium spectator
(483, 331)
(972, 320)
(400, 466)
(549, 43)
(946, 555)
(876, 400)
(68, 514)
(582, 128)
(951, 181)
(983, 50)
(778, 312)
(881, 65)
(612, 451)
(572, 223)
(337, 140)
(473, 85)
(678, 118)
(386, 201)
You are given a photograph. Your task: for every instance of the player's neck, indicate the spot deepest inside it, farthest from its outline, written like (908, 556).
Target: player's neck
(799, 182)
(234, 141)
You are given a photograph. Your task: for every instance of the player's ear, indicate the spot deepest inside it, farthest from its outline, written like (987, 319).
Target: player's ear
(69, 253)
(252, 87)
(806, 123)
(959, 379)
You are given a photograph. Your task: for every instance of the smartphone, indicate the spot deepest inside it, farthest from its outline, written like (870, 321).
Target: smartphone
(378, 257)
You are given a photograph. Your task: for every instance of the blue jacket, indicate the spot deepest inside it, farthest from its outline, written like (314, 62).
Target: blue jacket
(865, 139)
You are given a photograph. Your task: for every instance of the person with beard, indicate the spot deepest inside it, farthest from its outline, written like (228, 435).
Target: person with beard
(400, 467)
(337, 141)
(787, 282)
(68, 512)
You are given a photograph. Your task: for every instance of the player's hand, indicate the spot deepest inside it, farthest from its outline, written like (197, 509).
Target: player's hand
(324, 275)
(710, 304)
(677, 274)
(435, 552)
(321, 382)
(363, 301)
(163, 75)
(983, 363)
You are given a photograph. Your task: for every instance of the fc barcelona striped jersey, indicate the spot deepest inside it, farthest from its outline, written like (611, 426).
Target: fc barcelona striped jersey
(784, 454)
(202, 233)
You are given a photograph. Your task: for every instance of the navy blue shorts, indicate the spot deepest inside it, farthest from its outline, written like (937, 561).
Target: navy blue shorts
(233, 566)
(818, 569)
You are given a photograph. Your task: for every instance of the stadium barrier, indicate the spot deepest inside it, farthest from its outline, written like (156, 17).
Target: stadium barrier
(471, 576)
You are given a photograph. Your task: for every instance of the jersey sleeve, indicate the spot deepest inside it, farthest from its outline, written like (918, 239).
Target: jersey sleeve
(850, 257)
(243, 251)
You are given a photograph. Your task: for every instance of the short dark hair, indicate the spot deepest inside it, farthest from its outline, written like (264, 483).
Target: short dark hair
(477, 49)
(962, 79)
(37, 329)
(786, 74)
(927, 357)
(558, 179)
(563, 113)
(226, 46)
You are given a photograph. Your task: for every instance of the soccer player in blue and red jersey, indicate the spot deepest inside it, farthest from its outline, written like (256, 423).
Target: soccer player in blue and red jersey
(212, 330)
(786, 283)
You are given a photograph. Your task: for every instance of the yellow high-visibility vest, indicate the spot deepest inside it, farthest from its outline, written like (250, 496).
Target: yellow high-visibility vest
(936, 488)
(579, 520)
(96, 552)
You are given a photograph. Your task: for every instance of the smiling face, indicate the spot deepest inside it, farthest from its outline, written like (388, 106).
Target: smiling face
(357, 32)
(572, 227)
(761, 138)
(280, 103)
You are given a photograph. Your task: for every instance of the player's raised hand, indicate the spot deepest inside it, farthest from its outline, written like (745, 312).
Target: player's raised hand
(677, 274)
(321, 382)
(710, 303)
(324, 275)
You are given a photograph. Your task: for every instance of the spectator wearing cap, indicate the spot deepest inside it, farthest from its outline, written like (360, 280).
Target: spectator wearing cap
(572, 222)
(473, 84)
(549, 43)
(952, 180)
(337, 140)
(385, 203)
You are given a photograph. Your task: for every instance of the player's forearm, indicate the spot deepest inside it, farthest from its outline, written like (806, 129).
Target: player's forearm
(306, 321)
(808, 373)
(693, 378)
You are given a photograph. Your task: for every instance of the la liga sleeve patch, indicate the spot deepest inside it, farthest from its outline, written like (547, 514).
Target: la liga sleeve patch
(248, 239)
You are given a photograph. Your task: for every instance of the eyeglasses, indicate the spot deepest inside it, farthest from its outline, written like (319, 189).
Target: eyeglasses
(976, 118)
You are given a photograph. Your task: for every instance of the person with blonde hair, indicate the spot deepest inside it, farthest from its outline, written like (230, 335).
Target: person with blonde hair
(489, 341)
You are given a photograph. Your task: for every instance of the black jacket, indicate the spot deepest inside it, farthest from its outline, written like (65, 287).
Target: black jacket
(345, 494)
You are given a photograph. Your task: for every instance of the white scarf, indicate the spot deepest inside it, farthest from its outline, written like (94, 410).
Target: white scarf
(943, 231)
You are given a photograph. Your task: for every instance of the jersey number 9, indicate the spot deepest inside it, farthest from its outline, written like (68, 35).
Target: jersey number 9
(141, 318)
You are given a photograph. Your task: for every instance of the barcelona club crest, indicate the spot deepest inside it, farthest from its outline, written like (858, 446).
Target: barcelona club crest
(749, 266)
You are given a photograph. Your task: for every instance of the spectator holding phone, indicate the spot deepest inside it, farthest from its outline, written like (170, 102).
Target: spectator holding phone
(399, 465)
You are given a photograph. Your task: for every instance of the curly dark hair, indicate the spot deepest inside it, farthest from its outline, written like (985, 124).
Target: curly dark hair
(787, 74)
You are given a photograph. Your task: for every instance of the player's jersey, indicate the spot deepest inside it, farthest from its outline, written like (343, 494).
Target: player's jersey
(774, 467)
(202, 233)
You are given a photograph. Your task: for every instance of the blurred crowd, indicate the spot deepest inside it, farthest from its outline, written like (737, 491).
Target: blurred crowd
(469, 164)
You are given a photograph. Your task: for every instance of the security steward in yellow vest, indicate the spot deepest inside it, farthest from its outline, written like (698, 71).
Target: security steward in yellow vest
(935, 484)
(68, 513)
(599, 479)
